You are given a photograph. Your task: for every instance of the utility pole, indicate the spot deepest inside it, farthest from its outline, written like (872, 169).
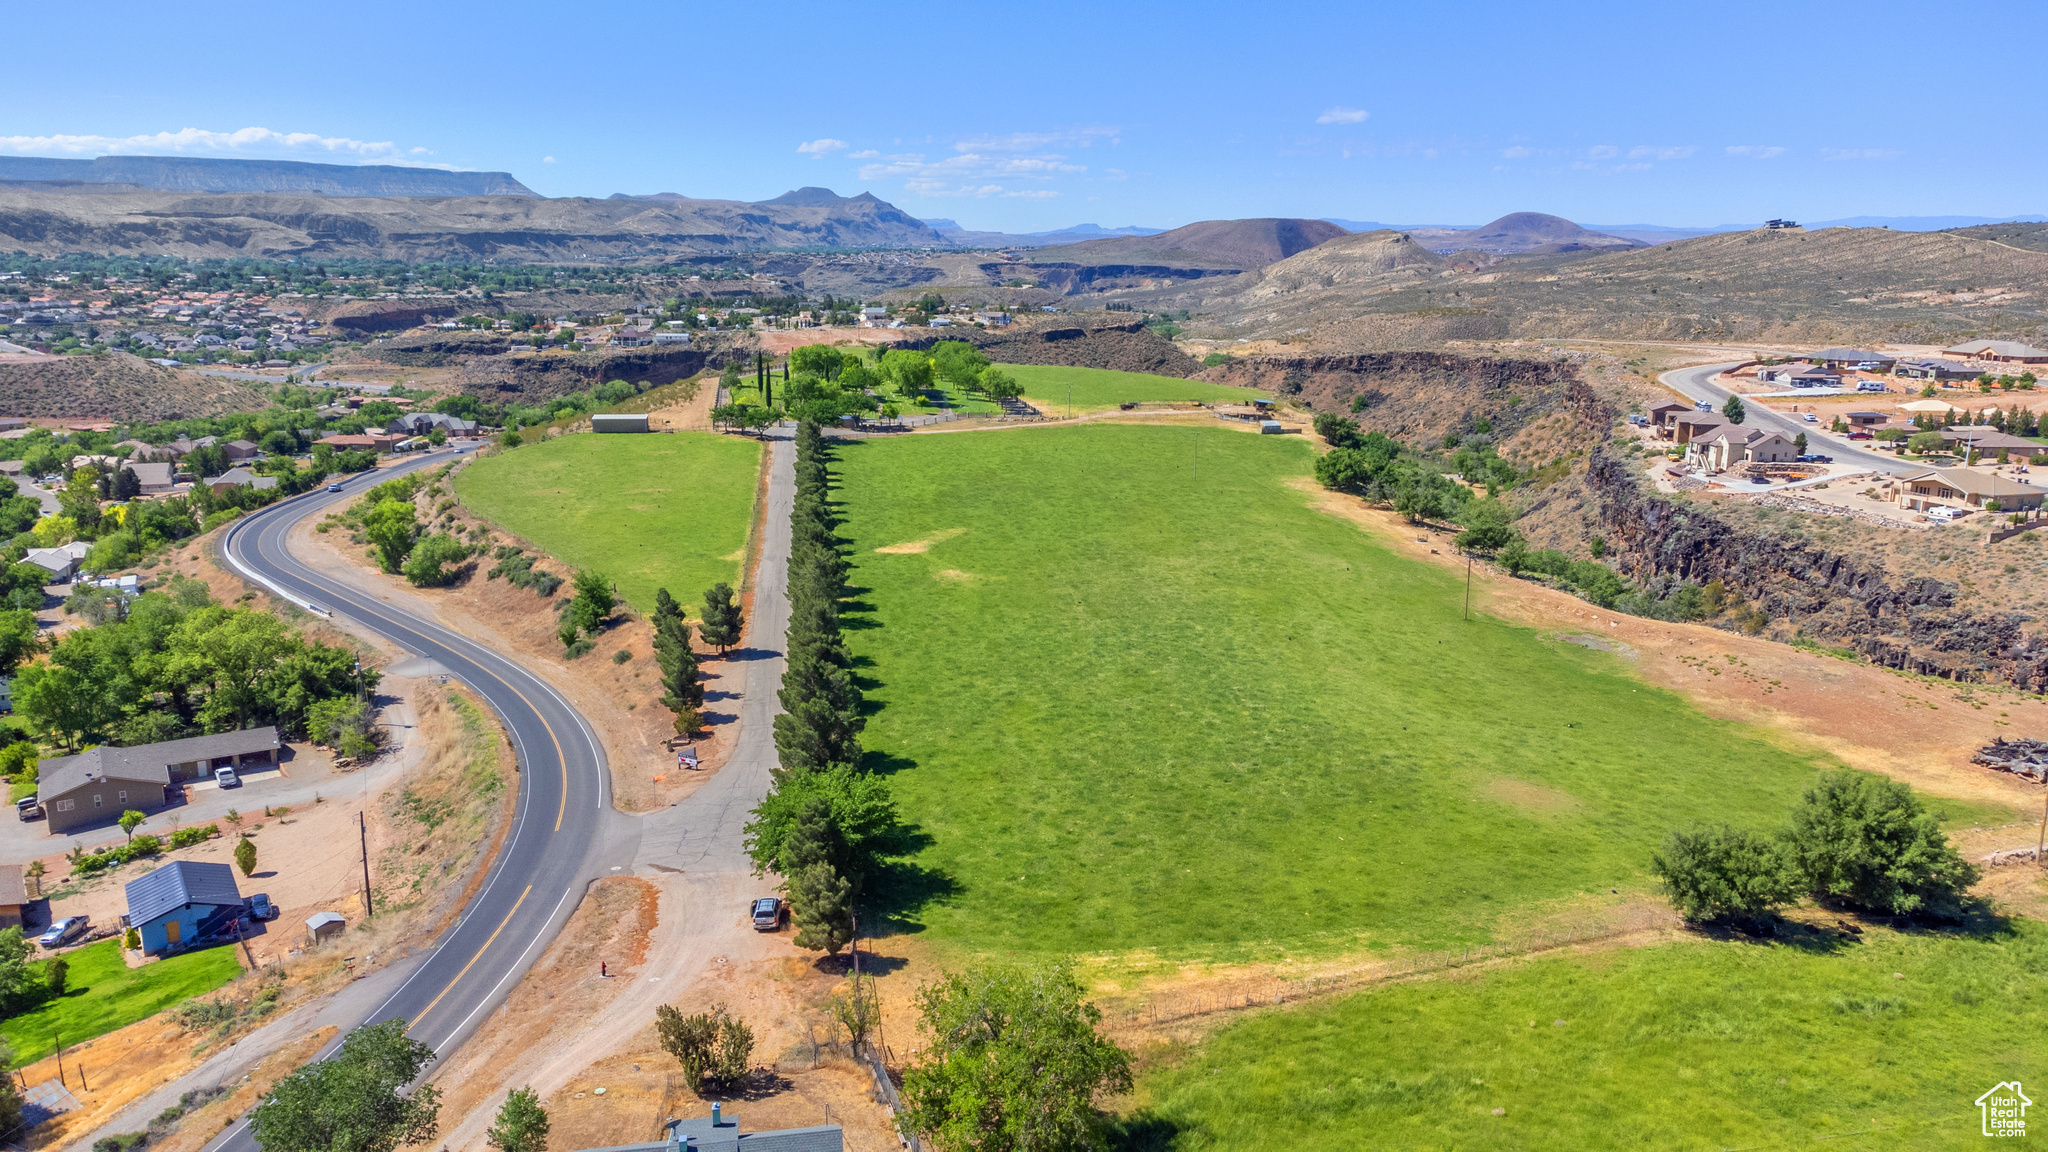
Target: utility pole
(363, 828)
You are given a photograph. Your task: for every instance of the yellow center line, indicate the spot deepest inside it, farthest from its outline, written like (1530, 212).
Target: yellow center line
(472, 960)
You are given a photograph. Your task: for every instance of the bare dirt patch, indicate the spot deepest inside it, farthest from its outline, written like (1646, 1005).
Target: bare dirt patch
(953, 575)
(1527, 797)
(913, 547)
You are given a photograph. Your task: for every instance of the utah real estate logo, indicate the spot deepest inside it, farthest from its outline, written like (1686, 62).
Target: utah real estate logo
(2005, 1110)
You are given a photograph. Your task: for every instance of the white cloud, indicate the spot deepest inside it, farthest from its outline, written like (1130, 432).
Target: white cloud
(1647, 152)
(1036, 141)
(1516, 153)
(1756, 151)
(547, 159)
(819, 147)
(1603, 152)
(1860, 154)
(863, 154)
(1343, 115)
(200, 140)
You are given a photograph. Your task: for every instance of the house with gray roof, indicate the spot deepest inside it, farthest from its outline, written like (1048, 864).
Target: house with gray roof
(1934, 368)
(2005, 351)
(240, 478)
(96, 786)
(719, 1132)
(183, 903)
(1851, 357)
(155, 478)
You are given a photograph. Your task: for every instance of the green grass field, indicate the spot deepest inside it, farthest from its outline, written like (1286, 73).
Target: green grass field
(1097, 389)
(1698, 1045)
(1140, 694)
(650, 511)
(106, 994)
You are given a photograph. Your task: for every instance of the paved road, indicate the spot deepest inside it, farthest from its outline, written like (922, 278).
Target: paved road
(1701, 383)
(564, 817)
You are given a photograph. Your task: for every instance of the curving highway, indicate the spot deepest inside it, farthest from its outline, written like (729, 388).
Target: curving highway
(1699, 384)
(564, 810)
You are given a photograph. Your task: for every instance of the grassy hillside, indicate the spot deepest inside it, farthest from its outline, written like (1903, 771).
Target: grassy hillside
(1698, 1045)
(1097, 389)
(651, 511)
(1140, 694)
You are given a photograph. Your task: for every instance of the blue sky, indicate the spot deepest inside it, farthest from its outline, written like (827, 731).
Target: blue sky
(1025, 117)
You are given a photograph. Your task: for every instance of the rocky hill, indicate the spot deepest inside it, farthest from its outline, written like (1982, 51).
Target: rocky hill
(46, 220)
(1838, 285)
(1239, 244)
(197, 174)
(1519, 233)
(2033, 237)
(1414, 397)
(117, 386)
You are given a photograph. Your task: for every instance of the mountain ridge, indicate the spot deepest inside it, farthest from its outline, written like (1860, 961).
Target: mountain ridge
(216, 174)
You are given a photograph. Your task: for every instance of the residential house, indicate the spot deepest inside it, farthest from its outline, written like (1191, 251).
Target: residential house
(187, 447)
(1686, 427)
(1851, 357)
(1778, 373)
(1865, 419)
(873, 312)
(14, 898)
(1814, 377)
(96, 786)
(630, 338)
(1964, 488)
(240, 478)
(720, 1132)
(672, 339)
(1931, 368)
(60, 562)
(994, 319)
(241, 450)
(183, 903)
(1983, 441)
(2003, 351)
(421, 423)
(1733, 444)
(1661, 415)
(155, 478)
(373, 441)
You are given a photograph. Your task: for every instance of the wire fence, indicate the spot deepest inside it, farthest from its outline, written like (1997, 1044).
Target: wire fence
(1272, 991)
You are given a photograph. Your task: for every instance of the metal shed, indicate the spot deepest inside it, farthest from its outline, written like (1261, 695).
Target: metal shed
(619, 422)
(325, 926)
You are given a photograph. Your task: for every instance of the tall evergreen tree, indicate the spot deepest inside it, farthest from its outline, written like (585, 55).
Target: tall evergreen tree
(723, 622)
(682, 693)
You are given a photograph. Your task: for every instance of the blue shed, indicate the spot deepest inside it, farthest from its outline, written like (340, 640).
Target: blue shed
(182, 903)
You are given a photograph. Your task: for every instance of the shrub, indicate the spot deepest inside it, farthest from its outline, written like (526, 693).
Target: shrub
(1865, 841)
(1726, 874)
(187, 837)
(713, 1048)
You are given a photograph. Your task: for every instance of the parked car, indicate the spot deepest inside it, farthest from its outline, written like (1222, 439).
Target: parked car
(260, 906)
(1702, 406)
(1860, 436)
(226, 778)
(64, 931)
(29, 808)
(767, 914)
(1809, 417)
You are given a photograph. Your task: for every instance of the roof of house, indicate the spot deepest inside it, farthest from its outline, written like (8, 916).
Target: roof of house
(1866, 416)
(1990, 438)
(151, 474)
(1856, 354)
(12, 891)
(55, 560)
(1669, 406)
(177, 884)
(1994, 348)
(1816, 370)
(243, 476)
(242, 444)
(725, 1136)
(148, 763)
(1937, 364)
(1971, 483)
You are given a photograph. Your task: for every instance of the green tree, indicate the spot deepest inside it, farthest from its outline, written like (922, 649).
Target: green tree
(1338, 432)
(509, 438)
(353, 1102)
(1015, 1063)
(522, 1124)
(19, 984)
(19, 638)
(1734, 410)
(591, 606)
(997, 384)
(245, 856)
(436, 561)
(1924, 443)
(821, 902)
(10, 1095)
(1799, 444)
(1726, 873)
(1488, 526)
(391, 527)
(130, 821)
(723, 623)
(715, 1050)
(682, 691)
(1866, 841)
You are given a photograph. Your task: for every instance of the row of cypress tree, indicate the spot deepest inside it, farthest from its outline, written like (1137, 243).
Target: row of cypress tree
(828, 823)
(681, 693)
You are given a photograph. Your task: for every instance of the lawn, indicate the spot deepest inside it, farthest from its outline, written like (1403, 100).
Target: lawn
(1702, 1045)
(1138, 693)
(1097, 389)
(657, 510)
(105, 994)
